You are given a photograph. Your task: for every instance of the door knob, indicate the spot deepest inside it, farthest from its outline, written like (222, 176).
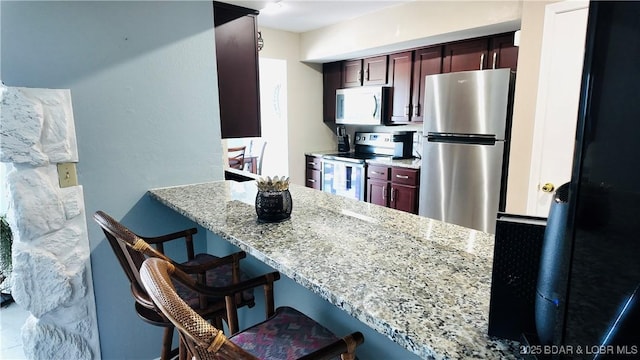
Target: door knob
(548, 187)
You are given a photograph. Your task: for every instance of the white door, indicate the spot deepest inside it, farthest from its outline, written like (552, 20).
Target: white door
(563, 45)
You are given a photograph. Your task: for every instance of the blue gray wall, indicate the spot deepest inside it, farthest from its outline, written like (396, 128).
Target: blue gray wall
(144, 86)
(144, 89)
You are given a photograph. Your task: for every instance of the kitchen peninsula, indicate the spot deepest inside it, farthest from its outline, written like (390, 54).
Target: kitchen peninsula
(423, 283)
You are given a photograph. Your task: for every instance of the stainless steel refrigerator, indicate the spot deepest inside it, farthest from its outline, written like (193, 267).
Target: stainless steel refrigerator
(465, 147)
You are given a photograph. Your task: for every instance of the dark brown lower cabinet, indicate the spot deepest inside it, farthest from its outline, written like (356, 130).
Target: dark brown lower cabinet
(313, 169)
(393, 187)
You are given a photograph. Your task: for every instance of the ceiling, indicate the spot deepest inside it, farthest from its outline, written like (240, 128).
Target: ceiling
(306, 15)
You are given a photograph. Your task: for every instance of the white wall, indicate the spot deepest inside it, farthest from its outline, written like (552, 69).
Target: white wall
(144, 89)
(409, 25)
(306, 131)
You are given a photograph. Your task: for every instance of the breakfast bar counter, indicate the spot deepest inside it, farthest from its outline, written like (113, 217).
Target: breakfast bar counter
(422, 283)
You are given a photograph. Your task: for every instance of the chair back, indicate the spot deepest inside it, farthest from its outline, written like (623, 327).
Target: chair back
(236, 157)
(264, 145)
(130, 250)
(203, 340)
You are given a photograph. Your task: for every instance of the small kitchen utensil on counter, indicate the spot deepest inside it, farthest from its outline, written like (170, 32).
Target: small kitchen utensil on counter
(343, 139)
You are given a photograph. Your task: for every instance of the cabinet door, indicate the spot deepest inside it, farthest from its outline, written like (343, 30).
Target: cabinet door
(427, 61)
(378, 192)
(237, 60)
(504, 54)
(404, 198)
(375, 70)
(400, 79)
(466, 55)
(331, 81)
(351, 73)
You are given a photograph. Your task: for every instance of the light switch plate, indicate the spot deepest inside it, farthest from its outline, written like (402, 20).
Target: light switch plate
(67, 175)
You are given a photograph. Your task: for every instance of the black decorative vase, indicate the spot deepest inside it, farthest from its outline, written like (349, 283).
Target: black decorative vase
(273, 205)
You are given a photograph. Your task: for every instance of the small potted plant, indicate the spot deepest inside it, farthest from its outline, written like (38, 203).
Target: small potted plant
(6, 243)
(273, 201)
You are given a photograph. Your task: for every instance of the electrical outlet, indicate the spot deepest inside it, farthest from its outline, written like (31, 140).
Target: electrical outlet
(67, 175)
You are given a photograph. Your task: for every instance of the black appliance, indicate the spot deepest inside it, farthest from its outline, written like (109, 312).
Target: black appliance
(344, 173)
(516, 262)
(552, 275)
(601, 315)
(343, 139)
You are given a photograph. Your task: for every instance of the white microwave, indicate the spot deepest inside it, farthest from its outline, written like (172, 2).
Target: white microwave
(366, 105)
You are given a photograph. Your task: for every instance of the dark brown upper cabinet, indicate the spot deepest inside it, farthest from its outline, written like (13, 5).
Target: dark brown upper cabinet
(465, 55)
(364, 72)
(426, 61)
(503, 53)
(331, 81)
(238, 80)
(492, 52)
(407, 71)
(400, 78)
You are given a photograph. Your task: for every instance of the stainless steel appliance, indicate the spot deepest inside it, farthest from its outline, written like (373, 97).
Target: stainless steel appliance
(344, 173)
(465, 147)
(366, 105)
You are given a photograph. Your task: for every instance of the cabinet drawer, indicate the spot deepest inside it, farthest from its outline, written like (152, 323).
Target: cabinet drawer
(313, 179)
(378, 172)
(313, 162)
(405, 176)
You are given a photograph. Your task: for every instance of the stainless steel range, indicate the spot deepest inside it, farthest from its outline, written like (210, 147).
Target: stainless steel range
(344, 173)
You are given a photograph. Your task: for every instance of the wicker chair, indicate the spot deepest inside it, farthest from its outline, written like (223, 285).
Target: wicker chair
(287, 334)
(236, 157)
(222, 275)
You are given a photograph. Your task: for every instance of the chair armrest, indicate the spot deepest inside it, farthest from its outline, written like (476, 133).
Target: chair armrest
(347, 344)
(231, 292)
(187, 235)
(168, 237)
(214, 263)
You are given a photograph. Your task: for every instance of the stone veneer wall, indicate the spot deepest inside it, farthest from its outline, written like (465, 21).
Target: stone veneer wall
(51, 267)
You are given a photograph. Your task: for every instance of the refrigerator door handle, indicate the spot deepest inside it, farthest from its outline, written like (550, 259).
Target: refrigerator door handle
(479, 139)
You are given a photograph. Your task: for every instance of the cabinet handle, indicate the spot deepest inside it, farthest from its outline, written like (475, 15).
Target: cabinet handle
(495, 57)
(311, 180)
(366, 74)
(384, 193)
(392, 192)
(402, 176)
(311, 163)
(482, 61)
(377, 173)
(416, 110)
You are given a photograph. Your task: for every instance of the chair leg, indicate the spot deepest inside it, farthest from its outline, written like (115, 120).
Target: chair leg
(167, 340)
(183, 349)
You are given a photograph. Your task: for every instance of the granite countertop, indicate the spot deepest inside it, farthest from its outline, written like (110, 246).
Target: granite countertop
(412, 163)
(423, 283)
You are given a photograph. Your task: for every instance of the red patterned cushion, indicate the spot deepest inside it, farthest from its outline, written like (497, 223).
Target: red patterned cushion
(289, 334)
(220, 276)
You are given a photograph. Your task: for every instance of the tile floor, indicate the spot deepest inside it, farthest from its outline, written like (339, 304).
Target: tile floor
(12, 317)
